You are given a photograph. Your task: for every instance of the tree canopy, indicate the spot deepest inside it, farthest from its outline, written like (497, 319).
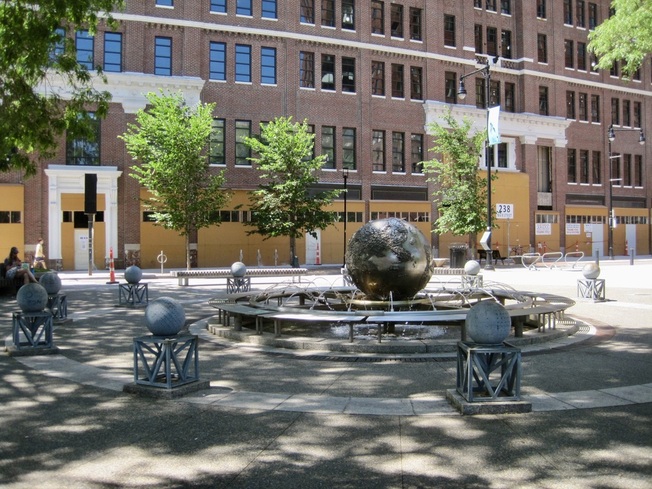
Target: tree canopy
(38, 47)
(285, 204)
(460, 191)
(625, 37)
(170, 139)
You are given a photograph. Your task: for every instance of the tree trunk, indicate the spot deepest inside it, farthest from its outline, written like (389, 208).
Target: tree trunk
(187, 251)
(293, 245)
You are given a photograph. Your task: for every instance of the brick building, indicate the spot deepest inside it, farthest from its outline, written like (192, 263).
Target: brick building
(368, 77)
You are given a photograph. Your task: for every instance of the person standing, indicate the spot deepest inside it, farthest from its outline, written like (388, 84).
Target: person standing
(39, 256)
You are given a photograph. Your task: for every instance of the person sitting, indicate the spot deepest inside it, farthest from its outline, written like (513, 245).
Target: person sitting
(39, 256)
(15, 270)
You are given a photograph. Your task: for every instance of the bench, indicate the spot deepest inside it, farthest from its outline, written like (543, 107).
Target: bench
(184, 276)
(495, 255)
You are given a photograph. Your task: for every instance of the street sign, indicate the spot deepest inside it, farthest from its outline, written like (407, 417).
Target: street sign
(504, 211)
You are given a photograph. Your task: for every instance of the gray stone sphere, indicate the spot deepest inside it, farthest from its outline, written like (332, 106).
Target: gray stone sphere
(591, 270)
(51, 282)
(472, 267)
(133, 274)
(488, 323)
(389, 257)
(165, 317)
(32, 297)
(238, 269)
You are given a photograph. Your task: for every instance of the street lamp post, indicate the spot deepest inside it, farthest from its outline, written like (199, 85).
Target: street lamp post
(611, 136)
(345, 176)
(461, 93)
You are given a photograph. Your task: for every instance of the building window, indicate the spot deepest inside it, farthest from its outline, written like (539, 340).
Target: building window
(595, 108)
(307, 12)
(84, 43)
(581, 56)
(506, 44)
(243, 7)
(268, 66)
(328, 13)
(543, 101)
(584, 108)
(328, 145)
(397, 20)
(615, 166)
(571, 161)
(377, 17)
(580, 13)
(627, 170)
(497, 156)
(398, 153)
(243, 63)
(491, 5)
(216, 143)
(268, 9)
(480, 99)
(569, 52)
(10, 217)
(477, 3)
(327, 72)
(307, 69)
(584, 166)
(113, 52)
(449, 31)
(477, 36)
(397, 81)
(218, 6)
(510, 97)
(416, 152)
(242, 151)
(217, 61)
(568, 12)
(163, 56)
(597, 167)
(450, 87)
(637, 114)
(378, 78)
(615, 111)
(416, 92)
(541, 9)
(492, 41)
(627, 120)
(415, 24)
(348, 15)
(542, 48)
(544, 165)
(348, 148)
(494, 93)
(348, 75)
(378, 150)
(638, 170)
(570, 105)
(164, 3)
(85, 151)
(59, 44)
(593, 16)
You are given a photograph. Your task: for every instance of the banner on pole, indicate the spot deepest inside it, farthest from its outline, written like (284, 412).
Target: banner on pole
(493, 134)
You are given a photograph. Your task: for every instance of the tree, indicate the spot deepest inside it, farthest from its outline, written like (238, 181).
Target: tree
(35, 52)
(624, 37)
(284, 204)
(170, 140)
(459, 189)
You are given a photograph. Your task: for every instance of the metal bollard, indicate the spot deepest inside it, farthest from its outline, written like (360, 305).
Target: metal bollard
(632, 252)
(597, 257)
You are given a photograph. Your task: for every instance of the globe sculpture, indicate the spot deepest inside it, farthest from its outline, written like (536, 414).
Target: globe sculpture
(389, 257)
(487, 323)
(32, 297)
(133, 274)
(472, 267)
(165, 317)
(591, 271)
(238, 269)
(51, 282)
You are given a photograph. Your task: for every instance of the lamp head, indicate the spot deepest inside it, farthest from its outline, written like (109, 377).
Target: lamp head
(461, 91)
(641, 138)
(611, 134)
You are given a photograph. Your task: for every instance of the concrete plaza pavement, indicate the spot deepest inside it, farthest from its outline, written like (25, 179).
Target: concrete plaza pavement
(278, 418)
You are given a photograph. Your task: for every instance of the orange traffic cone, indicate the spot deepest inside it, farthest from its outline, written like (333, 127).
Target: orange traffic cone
(112, 279)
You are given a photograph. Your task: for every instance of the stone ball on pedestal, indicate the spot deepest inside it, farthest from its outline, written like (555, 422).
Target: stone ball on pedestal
(472, 267)
(32, 297)
(133, 274)
(238, 269)
(165, 317)
(591, 271)
(488, 323)
(389, 257)
(51, 282)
